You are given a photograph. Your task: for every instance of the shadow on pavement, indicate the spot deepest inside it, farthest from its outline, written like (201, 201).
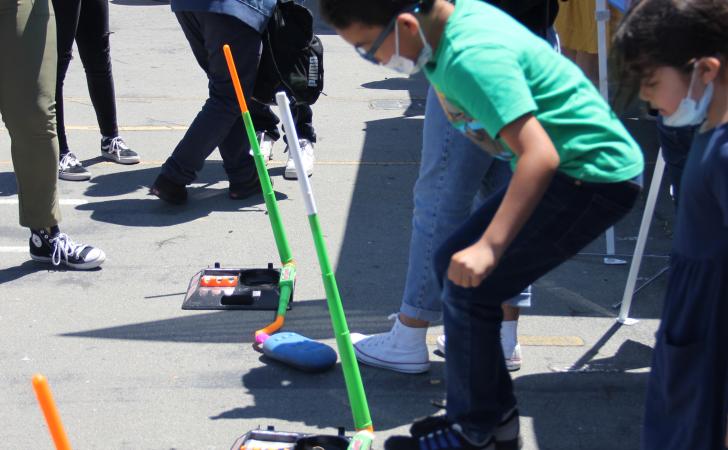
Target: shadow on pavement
(598, 407)
(309, 318)
(153, 212)
(8, 185)
(321, 400)
(27, 268)
(372, 262)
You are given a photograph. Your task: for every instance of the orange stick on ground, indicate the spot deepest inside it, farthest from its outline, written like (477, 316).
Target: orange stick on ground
(48, 406)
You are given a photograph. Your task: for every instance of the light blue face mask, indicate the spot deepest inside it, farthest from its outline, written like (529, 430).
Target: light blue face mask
(405, 65)
(691, 112)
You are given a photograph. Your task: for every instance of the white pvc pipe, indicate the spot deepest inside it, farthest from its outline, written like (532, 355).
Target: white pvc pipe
(602, 18)
(295, 148)
(642, 240)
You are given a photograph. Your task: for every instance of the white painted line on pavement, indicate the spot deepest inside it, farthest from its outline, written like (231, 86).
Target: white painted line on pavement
(127, 128)
(63, 201)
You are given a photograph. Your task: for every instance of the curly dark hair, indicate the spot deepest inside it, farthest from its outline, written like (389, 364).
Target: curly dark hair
(342, 13)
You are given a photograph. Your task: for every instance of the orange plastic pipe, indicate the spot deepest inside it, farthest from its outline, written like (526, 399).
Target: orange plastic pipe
(272, 328)
(234, 76)
(48, 406)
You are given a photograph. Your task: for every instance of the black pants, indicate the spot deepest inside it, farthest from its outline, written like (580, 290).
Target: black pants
(86, 22)
(219, 123)
(570, 215)
(266, 120)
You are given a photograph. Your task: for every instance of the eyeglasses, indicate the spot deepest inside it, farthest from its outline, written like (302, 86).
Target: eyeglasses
(369, 54)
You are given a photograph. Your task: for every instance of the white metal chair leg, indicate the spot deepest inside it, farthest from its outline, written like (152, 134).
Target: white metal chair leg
(602, 17)
(641, 241)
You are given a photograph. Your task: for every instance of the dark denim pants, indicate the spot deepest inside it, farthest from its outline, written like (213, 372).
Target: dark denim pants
(570, 215)
(219, 123)
(87, 23)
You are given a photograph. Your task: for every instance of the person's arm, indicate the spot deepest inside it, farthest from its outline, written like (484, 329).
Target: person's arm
(537, 163)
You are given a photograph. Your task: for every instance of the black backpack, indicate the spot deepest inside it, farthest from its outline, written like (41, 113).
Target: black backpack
(293, 57)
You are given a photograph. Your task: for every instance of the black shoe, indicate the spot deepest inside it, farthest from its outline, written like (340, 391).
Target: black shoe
(116, 150)
(58, 248)
(442, 438)
(507, 433)
(168, 190)
(71, 169)
(244, 189)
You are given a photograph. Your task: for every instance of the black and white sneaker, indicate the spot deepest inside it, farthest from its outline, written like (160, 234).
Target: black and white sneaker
(71, 169)
(116, 149)
(57, 248)
(266, 146)
(507, 435)
(445, 437)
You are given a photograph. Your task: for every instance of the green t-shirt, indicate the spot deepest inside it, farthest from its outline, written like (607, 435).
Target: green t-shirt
(489, 70)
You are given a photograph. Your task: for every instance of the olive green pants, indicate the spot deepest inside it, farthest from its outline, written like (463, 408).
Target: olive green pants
(27, 105)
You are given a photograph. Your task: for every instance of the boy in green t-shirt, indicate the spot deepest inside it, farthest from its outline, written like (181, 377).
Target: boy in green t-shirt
(573, 162)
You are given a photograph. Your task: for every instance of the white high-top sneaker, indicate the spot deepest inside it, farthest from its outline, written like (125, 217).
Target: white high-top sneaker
(307, 158)
(402, 349)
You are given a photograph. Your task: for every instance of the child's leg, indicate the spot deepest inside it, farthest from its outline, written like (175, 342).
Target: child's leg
(450, 175)
(570, 215)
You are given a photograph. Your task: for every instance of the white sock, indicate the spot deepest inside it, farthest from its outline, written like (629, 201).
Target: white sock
(509, 336)
(409, 336)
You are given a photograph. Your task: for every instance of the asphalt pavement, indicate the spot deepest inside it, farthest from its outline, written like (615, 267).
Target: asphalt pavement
(131, 370)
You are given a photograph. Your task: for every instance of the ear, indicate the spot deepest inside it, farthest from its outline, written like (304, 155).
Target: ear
(709, 68)
(408, 23)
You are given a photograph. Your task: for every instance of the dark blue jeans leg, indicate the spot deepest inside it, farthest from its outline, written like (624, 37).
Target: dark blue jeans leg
(570, 215)
(220, 115)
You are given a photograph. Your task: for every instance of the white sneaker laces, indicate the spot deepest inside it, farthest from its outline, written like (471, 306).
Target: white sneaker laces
(117, 145)
(69, 160)
(63, 246)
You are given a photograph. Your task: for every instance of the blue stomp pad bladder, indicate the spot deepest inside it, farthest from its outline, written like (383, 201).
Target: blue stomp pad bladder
(299, 352)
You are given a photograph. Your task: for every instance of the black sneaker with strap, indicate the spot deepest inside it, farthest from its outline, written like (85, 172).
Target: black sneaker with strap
(57, 248)
(446, 437)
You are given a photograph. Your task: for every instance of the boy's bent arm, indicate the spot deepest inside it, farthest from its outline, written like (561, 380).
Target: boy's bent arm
(537, 163)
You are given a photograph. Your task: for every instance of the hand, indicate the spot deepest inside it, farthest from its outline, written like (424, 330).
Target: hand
(469, 267)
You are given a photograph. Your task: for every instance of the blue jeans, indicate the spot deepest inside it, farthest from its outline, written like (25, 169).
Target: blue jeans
(452, 172)
(570, 215)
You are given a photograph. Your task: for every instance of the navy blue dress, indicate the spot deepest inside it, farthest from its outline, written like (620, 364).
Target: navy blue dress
(687, 393)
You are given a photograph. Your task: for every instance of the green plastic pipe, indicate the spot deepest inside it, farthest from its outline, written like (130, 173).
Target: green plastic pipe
(352, 377)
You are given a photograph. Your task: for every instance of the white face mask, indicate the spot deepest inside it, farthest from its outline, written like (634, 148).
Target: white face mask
(405, 65)
(691, 112)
